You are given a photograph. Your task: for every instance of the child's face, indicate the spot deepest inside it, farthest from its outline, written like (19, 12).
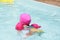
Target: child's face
(26, 27)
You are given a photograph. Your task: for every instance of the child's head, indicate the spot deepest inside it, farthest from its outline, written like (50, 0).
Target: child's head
(25, 18)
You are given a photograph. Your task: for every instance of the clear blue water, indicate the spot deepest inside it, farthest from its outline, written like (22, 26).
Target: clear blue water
(47, 16)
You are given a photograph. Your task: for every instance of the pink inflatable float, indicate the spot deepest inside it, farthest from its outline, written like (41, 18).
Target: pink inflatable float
(35, 26)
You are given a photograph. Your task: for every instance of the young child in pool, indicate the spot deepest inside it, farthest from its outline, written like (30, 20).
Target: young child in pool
(23, 24)
(25, 20)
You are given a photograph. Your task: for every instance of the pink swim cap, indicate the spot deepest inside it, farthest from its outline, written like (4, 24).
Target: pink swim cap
(25, 18)
(36, 26)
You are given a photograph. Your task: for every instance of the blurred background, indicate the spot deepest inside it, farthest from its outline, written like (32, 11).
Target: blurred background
(53, 2)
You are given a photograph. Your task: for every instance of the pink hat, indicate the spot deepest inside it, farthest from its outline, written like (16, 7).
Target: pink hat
(36, 26)
(25, 18)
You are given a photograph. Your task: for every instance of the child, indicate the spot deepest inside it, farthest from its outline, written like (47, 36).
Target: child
(25, 20)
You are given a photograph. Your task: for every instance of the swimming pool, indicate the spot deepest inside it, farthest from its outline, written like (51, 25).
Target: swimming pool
(48, 16)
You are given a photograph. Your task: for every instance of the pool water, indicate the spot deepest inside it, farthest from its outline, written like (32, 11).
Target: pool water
(48, 16)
